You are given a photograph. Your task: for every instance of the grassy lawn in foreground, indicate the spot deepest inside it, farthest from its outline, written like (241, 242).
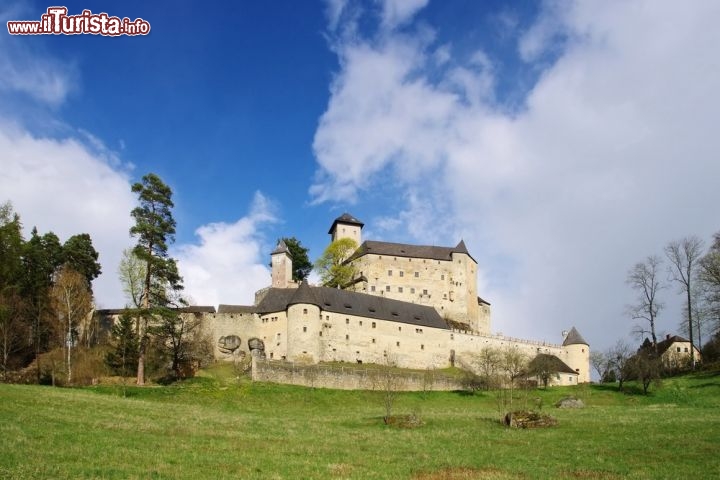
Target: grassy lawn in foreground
(217, 426)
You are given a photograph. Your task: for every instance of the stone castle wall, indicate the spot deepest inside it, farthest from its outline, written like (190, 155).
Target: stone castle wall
(349, 378)
(450, 286)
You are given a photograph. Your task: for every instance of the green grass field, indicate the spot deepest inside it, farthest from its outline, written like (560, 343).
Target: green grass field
(216, 426)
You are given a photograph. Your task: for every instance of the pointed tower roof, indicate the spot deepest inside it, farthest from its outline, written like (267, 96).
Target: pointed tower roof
(461, 248)
(281, 248)
(574, 338)
(347, 219)
(303, 294)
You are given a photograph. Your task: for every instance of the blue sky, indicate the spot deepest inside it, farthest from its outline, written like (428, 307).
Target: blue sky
(563, 141)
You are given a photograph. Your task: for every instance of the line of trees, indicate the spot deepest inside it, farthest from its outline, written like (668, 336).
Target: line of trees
(45, 295)
(47, 309)
(695, 273)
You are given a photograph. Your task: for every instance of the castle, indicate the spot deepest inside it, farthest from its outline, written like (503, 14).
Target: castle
(414, 305)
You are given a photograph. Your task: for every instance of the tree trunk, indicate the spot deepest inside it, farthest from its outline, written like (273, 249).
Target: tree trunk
(690, 326)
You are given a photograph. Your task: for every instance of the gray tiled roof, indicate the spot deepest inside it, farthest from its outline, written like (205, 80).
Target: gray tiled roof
(557, 364)
(235, 309)
(189, 309)
(347, 219)
(574, 338)
(281, 248)
(407, 250)
(352, 303)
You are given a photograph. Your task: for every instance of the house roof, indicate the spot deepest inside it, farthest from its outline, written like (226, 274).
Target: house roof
(574, 338)
(407, 250)
(351, 303)
(347, 219)
(667, 343)
(556, 364)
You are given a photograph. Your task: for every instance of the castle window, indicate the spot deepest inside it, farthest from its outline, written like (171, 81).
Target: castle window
(347, 337)
(452, 336)
(424, 291)
(412, 290)
(686, 350)
(304, 352)
(399, 329)
(304, 329)
(320, 333)
(347, 321)
(360, 323)
(387, 288)
(678, 349)
(373, 340)
(442, 277)
(444, 296)
(389, 273)
(372, 288)
(402, 274)
(400, 289)
(373, 324)
(418, 330)
(422, 347)
(397, 343)
(327, 317)
(417, 274)
(271, 354)
(304, 311)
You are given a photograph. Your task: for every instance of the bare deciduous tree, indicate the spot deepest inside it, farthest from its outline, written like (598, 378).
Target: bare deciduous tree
(618, 358)
(644, 278)
(684, 256)
(600, 362)
(73, 304)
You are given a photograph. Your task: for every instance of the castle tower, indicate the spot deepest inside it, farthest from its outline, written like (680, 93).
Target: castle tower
(346, 226)
(281, 262)
(577, 354)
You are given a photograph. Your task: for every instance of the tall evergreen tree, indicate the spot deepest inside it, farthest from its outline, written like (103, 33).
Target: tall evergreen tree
(123, 357)
(301, 264)
(80, 255)
(154, 228)
(42, 256)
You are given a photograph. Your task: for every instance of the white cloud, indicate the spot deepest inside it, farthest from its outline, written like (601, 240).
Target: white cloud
(397, 12)
(26, 70)
(66, 187)
(613, 155)
(230, 261)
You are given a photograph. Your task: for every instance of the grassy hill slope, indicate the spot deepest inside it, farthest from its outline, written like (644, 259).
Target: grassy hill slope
(216, 426)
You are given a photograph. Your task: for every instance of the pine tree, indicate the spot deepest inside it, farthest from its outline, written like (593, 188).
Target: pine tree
(123, 357)
(154, 228)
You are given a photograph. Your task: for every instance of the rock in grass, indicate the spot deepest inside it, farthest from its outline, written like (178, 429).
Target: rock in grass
(528, 419)
(570, 402)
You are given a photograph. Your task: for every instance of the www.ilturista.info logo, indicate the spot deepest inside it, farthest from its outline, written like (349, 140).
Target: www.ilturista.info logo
(57, 22)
